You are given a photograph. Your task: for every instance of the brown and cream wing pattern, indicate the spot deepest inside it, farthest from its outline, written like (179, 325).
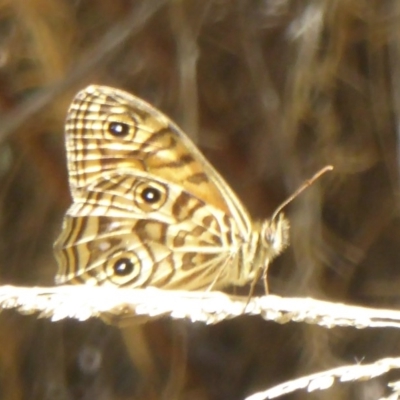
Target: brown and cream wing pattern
(148, 208)
(108, 129)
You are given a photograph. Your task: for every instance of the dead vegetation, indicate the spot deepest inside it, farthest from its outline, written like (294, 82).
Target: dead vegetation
(271, 91)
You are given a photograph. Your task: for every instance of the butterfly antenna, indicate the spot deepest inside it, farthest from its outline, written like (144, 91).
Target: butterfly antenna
(304, 186)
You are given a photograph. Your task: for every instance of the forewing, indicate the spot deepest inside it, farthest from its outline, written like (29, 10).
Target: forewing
(154, 145)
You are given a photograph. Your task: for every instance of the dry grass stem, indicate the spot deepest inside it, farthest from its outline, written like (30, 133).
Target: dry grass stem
(83, 302)
(324, 380)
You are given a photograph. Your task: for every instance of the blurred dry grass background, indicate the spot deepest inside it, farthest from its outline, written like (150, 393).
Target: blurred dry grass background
(271, 91)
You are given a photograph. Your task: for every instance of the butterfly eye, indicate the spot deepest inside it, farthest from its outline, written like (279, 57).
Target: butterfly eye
(150, 195)
(118, 128)
(123, 267)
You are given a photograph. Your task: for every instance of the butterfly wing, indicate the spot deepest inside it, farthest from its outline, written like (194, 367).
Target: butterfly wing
(148, 208)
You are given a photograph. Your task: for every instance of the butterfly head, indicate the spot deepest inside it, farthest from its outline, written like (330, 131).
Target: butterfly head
(275, 234)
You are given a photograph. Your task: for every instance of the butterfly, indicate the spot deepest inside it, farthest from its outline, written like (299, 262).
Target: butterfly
(148, 208)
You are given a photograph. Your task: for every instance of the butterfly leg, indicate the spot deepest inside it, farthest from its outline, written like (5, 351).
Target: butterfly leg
(252, 287)
(265, 280)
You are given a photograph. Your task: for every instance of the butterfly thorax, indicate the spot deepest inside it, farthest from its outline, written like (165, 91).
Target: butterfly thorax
(267, 240)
